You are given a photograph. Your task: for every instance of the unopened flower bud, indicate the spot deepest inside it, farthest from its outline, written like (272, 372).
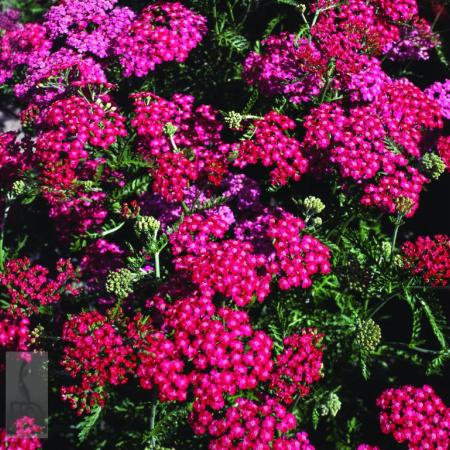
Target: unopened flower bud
(19, 188)
(36, 333)
(316, 222)
(313, 205)
(403, 205)
(233, 119)
(120, 283)
(334, 404)
(386, 249)
(368, 335)
(433, 165)
(146, 224)
(397, 261)
(170, 129)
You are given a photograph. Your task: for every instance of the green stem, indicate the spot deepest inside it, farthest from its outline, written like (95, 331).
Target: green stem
(117, 307)
(417, 349)
(175, 147)
(381, 305)
(2, 230)
(152, 418)
(112, 230)
(157, 266)
(398, 223)
(185, 207)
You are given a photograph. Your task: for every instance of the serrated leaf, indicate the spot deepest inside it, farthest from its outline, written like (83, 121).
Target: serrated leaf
(233, 40)
(272, 25)
(435, 323)
(88, 423)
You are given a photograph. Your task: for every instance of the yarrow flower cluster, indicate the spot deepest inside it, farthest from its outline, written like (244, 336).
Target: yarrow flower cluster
(14, 332)
(440, 92)
(88, 27)
(429, 258)
(251, 425)
(24, 438)
(288, 65)
(158, 363)
(21, 45)
(225, 354)
(373, 144)
(416, 416)
(184, 142)
(298, 366)
(9, 18)
(190, 232)
(71, 124)
(342, 58)
(28, 286)
(443, 148)
(98, 354)
(239, 269)
(270, 146)
(14, 158)
(59, 72)
(164, 31)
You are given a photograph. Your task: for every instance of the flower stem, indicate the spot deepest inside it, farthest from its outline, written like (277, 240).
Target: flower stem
(2, 230)
(152, 419)
(157, 266)
(398, 223)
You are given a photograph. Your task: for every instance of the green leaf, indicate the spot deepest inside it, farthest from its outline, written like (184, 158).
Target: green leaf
(88, 423)
(233, 40)
(442, 57)
(435, 318)
(272, 25)
(289, 2)
(315, 418)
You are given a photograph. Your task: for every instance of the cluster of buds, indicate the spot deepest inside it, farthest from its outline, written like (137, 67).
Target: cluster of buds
(368, 335)
(331, 406)
(146, 224)
(233, 119)
(403, 205)
(313, 206)
(433, 165)
(120, 283)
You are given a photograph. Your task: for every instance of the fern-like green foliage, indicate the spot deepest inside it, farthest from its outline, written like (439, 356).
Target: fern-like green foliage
(88, 423)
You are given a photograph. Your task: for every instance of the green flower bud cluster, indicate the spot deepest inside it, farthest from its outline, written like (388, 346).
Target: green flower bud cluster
(368, 335)
(433, 165)
(313, 205)
(331, 406)
(358, 277)
(233, 119)
(120, 283)
(386, 249)
(170, 129)
(323, 410)
(36, 333)
(334, 404)
(397, 261)
(316, 222)
(146, 224)
(88, 185)
(403, 205)
(19, 188)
